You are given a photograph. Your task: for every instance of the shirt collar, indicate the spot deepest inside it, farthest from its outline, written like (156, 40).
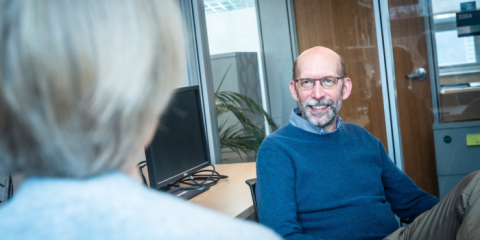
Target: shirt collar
(297, 121)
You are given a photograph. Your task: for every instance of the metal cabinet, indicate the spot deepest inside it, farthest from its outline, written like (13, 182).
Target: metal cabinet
(455, 159)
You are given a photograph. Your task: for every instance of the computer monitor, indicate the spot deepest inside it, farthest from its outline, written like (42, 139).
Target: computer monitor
(179, 147)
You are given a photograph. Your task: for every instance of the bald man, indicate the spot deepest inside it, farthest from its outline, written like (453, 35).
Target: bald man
(321, 178)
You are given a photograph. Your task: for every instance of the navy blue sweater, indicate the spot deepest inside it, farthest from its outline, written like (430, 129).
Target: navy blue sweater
(341, 185)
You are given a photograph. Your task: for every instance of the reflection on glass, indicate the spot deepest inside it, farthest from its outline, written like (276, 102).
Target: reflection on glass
(458, 63)
(455, 50)
(236, 74)
(458, 60)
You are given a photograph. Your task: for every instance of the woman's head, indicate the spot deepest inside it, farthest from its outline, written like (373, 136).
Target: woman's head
(82, 82)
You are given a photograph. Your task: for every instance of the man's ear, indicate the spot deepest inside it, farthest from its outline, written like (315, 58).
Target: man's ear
(293, 91)
(347, 88)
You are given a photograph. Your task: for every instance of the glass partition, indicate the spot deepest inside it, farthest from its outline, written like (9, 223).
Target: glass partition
(458, 59)
(237, 75)
(437, 87)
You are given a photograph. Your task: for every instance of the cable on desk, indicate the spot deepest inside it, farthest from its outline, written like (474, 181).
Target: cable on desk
(193, 180)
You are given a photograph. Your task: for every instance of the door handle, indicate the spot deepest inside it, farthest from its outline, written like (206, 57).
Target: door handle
(419, 74)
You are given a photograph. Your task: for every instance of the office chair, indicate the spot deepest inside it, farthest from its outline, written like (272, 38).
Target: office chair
(6, 189)
(253, 182)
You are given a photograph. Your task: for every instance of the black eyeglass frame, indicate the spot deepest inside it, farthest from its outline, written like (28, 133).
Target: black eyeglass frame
(320, 79)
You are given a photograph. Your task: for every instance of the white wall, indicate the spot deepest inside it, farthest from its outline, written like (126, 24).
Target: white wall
(233, 31)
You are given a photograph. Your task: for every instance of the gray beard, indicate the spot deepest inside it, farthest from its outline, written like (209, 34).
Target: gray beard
(313, 118)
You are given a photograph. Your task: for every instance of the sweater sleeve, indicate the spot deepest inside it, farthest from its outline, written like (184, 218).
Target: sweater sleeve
(406, 198)
(275, 191)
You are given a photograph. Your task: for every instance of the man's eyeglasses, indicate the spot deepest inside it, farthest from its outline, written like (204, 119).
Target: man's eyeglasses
(326, 82)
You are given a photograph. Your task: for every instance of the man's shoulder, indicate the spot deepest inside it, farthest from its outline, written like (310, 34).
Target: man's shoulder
(357, 131)
(143, 213)
(276, 143)
(354, 128)
(280, 133)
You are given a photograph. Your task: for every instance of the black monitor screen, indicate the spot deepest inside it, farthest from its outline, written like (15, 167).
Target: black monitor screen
(179, 146)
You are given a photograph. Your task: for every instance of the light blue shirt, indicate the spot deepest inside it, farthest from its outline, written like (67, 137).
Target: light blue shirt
(297, 121)
(113, 206)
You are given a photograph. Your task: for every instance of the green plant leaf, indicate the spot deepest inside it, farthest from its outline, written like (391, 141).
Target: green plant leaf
(230, 99)
(248, 136)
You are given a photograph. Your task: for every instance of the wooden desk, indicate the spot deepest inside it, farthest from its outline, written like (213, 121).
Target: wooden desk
(230, 196)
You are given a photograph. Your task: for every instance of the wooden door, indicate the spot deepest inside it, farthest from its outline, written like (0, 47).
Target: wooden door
(414, 97)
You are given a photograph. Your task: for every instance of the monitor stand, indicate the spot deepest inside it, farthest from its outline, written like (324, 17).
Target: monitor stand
(187, 193)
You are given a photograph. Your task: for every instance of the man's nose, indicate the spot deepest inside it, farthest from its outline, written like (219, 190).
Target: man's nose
(318, 91)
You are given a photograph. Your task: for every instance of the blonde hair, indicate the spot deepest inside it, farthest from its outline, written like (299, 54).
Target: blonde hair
(82, 81)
